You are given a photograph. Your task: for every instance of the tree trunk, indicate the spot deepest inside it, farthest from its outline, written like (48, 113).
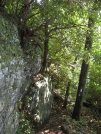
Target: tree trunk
(45, 55)
(80, 92)
(67, 94)
(83, 74)
(46, 40)
(69, 84)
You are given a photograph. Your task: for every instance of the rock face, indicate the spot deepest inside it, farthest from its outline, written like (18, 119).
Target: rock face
(16, 70)
(37, 102)
(43, 101)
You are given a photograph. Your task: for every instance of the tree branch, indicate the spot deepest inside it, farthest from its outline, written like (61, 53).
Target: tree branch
(66, 27)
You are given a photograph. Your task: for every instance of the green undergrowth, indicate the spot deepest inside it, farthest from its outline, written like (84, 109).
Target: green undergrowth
(25, 126)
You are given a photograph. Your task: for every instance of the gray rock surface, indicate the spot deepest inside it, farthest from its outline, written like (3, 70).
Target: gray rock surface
(16, 70)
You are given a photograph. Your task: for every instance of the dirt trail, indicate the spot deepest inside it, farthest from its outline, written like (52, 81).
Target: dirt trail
(62, 123)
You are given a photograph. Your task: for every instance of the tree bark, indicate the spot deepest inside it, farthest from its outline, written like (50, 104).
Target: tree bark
(45, 55)
(80, 91)
(46, 38)
(83, 74)
(68, 85)
(67, 94)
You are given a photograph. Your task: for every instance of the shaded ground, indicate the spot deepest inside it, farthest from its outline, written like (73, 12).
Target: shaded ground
(62, 123)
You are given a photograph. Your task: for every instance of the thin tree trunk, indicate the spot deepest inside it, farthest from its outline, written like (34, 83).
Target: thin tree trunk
(68, 85)
(67, 94)
(46, 40)
(83, 74)
(45, 55)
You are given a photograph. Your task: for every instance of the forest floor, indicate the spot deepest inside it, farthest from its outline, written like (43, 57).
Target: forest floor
(61, 122)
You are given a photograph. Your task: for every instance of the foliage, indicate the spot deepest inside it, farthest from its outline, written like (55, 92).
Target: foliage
(93, 83)
(24, 125)
(82, 122)
(25, 114)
